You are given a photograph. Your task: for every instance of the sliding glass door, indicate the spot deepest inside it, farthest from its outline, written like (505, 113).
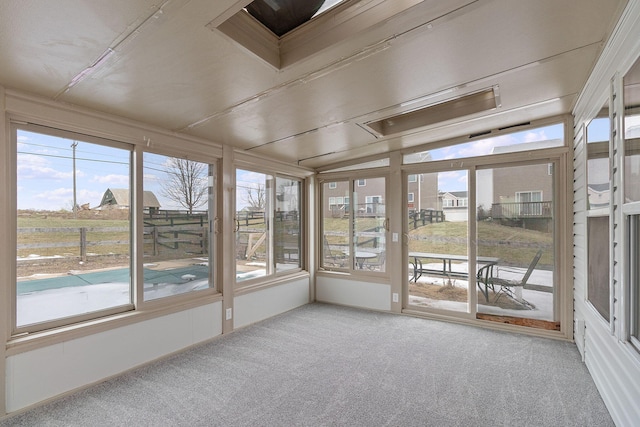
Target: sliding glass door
(437, 240)
(515, 244)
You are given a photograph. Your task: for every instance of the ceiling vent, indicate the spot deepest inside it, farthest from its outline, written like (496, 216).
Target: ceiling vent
(477, 102)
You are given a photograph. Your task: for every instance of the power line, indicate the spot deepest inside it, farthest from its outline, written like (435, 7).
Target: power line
(78, 158)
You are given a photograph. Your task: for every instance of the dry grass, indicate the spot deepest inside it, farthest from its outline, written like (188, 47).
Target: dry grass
(448, 292)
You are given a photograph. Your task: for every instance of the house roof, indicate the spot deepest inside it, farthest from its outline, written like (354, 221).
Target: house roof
(458, 194)
(121, 198)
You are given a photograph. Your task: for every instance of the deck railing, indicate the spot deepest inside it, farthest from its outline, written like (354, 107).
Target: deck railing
(522, 210)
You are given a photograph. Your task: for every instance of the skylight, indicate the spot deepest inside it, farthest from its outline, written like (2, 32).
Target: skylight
(282, 16)
(283, 32)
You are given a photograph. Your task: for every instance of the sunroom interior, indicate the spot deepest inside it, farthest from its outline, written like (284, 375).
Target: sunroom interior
(174, 171)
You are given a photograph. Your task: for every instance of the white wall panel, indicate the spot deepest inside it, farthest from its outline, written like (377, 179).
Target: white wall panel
(46, 372)
(355, 293)
(611, 360)
(259, 305)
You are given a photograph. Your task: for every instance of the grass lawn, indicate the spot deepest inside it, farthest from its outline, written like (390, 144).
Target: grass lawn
(513, 245)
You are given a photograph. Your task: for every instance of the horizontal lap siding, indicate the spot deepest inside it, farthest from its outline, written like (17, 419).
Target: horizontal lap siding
(613, 363)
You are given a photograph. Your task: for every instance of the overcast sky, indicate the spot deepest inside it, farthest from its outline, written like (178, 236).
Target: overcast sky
(45, 171)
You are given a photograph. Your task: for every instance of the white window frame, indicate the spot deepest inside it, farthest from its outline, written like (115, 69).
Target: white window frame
(74, 319)
(353, 182)
(538, 210)
(271, 270)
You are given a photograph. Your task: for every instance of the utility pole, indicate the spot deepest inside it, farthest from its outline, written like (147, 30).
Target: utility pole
(75, 204)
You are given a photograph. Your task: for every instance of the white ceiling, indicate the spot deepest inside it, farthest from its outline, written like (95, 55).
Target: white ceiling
(168, 68)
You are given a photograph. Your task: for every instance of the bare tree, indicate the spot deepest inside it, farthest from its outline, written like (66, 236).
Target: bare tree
(256, 198)
(186, 183)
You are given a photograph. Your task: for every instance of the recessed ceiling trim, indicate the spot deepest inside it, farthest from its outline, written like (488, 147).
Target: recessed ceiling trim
(337, 24)
(466, 105)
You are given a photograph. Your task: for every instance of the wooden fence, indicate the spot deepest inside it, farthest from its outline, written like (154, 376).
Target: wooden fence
(424, 217)
(162, 233)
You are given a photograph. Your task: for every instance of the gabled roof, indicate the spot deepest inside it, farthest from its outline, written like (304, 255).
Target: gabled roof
(120, 197)
(457, 194)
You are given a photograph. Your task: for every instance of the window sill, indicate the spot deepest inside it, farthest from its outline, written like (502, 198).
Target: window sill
(35, 340)
(270, 282)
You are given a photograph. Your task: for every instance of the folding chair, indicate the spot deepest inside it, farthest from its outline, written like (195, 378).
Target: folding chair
(511, 288)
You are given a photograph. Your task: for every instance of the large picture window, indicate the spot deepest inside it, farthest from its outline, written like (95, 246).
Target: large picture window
(73, 227)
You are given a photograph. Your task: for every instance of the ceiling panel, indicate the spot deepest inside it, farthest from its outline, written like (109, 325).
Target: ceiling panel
(168, 68)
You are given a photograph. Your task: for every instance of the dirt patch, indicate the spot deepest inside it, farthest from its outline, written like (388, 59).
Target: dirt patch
(454, 293)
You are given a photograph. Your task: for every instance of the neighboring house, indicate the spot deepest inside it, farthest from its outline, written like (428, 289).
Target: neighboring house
(524, 198)
(118, 198)
(455, 205)
(371, 197)
(422, 192)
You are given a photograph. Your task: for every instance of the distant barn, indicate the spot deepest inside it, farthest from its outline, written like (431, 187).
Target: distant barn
(118, 198)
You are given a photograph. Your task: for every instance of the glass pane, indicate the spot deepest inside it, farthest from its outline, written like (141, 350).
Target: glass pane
(367, 165)
(634, 275)
(335, 224)
(532, 139)
(177, 211)
(286, 224)
(369, 226)
(598, 174)
(438, 230)
(632, 134)
(253, 256)
(598, 256)
(73, 249)
(515, 249)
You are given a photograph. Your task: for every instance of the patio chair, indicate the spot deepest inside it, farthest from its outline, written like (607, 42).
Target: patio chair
(330, 259)
(511, 288)
(377, 263)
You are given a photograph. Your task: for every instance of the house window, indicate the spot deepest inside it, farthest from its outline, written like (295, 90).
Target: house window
(333, 185)
(268, 224)
(598, 289)
(178, 208)
(529, 203)
(354, 239)
(634, 278)
(374, 204)
(448, 203)
(413, 178)
(73, 215)
(362, 182)
(410, 197)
